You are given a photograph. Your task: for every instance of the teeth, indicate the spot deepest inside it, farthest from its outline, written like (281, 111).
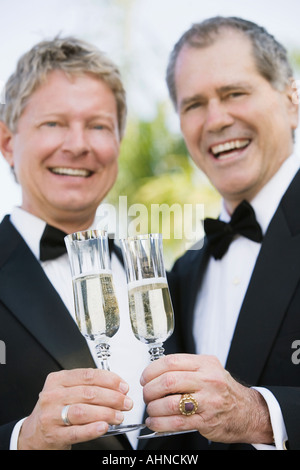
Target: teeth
(234, 144)
(71, 171)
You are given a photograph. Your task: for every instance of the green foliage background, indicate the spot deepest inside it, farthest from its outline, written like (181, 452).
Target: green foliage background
(155, 168)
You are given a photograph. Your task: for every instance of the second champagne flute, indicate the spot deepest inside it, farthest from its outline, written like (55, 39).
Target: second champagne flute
(96, 306)
(150, 306)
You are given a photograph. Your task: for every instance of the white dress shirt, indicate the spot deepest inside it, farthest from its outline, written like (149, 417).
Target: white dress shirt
(216, 315)
(129, 357)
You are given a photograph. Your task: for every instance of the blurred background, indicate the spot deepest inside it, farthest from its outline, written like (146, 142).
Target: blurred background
(138, 35)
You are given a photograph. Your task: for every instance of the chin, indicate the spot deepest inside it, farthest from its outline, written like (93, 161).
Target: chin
(73, 207)
(236, 187)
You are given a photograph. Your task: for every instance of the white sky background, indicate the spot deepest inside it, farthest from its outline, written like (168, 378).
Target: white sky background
(139, 38)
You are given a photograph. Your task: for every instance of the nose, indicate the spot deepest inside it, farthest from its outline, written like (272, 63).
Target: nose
(217, 116)
(75, 141)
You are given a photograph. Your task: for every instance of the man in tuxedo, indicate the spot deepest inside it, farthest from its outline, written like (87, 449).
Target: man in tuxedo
(237, 300)
(60, 132)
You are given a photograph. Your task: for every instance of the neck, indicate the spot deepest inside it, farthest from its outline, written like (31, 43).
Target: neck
(70, 226)
(232, 201)
(230, 206)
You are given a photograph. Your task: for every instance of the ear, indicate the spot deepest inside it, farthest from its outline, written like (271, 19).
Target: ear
(6, 144)
(293, 102)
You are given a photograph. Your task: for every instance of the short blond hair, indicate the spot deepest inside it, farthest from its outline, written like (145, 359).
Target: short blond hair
(71, 55)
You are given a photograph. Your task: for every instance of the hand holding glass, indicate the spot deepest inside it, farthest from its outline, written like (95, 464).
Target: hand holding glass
(96, 306)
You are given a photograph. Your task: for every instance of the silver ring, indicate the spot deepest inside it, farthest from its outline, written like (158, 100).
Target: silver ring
(64, 415)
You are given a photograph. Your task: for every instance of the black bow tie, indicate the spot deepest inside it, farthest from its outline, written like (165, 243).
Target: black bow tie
(220, 234)
(52, 244)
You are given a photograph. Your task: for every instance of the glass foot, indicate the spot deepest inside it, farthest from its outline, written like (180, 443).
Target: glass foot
(122, 429)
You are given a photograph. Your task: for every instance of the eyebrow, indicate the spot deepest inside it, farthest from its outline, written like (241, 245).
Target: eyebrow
(221, 90)
(235, 86)
(92, 117)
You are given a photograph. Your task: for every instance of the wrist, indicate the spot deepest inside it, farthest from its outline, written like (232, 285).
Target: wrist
(259, 422)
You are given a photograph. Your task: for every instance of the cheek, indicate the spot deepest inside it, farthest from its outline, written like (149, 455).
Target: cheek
(106, 149)
(189, 126)
(31, 150)
(48, 140)
(266, 118)
(192, 133)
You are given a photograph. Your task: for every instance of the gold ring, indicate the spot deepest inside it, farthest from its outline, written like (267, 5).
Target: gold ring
(188, 405)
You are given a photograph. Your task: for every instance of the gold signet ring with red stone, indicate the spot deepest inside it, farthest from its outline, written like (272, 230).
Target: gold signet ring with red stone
(188, 405)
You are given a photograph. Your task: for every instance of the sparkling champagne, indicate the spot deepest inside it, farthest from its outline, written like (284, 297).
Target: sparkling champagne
(151, 311)
(96, 306)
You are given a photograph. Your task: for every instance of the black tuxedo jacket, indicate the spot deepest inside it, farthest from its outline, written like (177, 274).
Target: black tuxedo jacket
(269, 321)
(41, 337)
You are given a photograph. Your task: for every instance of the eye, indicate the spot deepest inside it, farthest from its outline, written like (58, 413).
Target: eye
(195, 105)
(51, 124)
(236, 94)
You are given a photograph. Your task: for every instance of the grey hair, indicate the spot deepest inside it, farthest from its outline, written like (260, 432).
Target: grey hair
(71, 55)
(270, 56)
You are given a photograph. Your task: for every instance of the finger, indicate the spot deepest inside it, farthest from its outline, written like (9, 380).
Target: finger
(95, 395)
(167, 406)
(71, 378)
(170, 406)
(81, 395)
(173, 423)
(172, 362)
(80, 414)
(171, 383)
(77, 434)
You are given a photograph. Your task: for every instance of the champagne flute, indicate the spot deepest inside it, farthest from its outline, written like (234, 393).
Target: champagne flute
(150, 305)
(96, 305)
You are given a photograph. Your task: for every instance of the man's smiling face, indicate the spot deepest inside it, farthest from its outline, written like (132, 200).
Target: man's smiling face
(237, 127)
(65, 151)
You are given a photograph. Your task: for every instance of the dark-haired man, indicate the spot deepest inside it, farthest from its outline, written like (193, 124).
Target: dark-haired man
(237, 300)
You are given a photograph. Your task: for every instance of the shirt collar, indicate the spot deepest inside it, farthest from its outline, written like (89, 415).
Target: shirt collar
(30, 228)
(267, 200)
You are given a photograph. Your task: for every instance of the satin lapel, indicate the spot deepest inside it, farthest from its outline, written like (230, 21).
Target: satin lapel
(274, 279)
(47, 319)
(191, 274)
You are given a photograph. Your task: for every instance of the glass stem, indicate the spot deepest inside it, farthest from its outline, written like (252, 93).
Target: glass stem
(156, 352)
(103, 355)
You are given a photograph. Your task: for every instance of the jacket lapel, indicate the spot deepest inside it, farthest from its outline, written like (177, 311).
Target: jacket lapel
(272, 285)
(48, 319)
(184, 293)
